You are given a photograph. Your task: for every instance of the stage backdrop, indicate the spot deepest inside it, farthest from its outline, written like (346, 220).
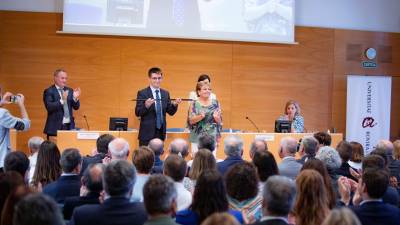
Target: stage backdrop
(368, 109)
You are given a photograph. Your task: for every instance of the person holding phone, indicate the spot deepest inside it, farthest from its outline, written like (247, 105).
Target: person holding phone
(8, 121)
(60, 101)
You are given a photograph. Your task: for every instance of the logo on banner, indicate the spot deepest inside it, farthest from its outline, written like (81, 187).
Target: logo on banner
(368, 122)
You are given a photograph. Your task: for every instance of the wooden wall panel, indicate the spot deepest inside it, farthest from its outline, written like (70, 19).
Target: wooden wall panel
(249, 79)
(344, 67)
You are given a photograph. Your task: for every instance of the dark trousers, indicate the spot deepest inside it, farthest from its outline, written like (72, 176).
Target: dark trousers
(159, 134)
(64, 126)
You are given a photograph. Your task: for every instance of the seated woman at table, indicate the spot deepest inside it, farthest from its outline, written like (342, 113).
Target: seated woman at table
(292, 114)
(204, 116)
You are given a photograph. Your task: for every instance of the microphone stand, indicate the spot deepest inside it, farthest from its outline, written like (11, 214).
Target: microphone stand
(251, 121)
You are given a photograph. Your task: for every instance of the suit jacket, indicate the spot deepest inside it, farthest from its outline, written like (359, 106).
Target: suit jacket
(64, 186)
(374, 213)
(73, 202)
(158, 166)
(230, 161)
(289, 167)
(87, 160)
(148, 117)
(114, 211)
(55, 111)
(271, 222)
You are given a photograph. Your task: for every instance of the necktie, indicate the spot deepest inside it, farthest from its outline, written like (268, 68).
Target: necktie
(158, 110)
(65, 105)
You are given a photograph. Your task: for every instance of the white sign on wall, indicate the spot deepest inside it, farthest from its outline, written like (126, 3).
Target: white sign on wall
(368, 110)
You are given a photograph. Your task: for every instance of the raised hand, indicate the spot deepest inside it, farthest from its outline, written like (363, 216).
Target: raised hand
(77, 92)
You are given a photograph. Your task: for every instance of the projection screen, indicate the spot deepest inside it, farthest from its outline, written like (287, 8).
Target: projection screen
(232, 20)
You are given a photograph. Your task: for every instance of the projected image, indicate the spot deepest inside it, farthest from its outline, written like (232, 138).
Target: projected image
(244, 20)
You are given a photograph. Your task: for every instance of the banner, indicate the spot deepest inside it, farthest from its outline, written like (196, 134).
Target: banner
(368, 110)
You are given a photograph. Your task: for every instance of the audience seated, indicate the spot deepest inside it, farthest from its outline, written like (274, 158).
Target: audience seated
(323, 138)
(376, 160)
(157, 146)
(143, 159)
(175, 167)
(37, 209)
(278, 198)
(308, 149)
(209, 197)
(341, 216)
(357, 155)
(242, 188)
(203, 160)
(118, 180)
(9, 206)
(48, 168)
(92, 186)
(118, 149)
(205, 141)
(266, 166)
(372, 210)
(9, 182)
(330, 157)
(311, 205)
(34, 146)
(160, 200)
(345, 151)
(68, 184)
(288, 167)
(179, 146)
(17, 161)
(257, 146)
(233, 149)
(100, 153)
(319, 166)
(220, 218)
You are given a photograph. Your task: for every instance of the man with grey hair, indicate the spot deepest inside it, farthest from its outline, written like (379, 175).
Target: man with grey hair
(278, 199)
(118, 180)
(308, 148)
(179, 146)
(34, 146)
(257, 146)
(119, 149)
(287, 151)
(330, 157)
(68, 184)
(160, 200)
(233, 148)
(157, 146)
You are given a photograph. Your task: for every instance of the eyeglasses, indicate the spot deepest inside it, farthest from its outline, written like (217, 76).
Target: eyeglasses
(156, 78)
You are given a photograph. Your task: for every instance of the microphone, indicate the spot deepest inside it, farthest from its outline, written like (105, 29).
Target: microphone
(87, 124)
(251, 121)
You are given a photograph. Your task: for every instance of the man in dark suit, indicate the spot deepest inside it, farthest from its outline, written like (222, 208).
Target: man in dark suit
(157, 146)
(307, 149)
(372, 210)
(118, 181)
(278, 197)
(233, 148)
(92, 185)
(151, 106)
(59, 101)
(68, 184)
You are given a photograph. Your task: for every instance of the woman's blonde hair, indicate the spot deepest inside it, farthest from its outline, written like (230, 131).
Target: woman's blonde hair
(296, 105)
(341, 216)
(203, 160)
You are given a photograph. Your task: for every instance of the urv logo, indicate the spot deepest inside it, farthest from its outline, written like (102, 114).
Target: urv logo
(368, 122)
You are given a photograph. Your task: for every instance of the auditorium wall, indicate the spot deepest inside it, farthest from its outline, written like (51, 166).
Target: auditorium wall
(249, 79)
